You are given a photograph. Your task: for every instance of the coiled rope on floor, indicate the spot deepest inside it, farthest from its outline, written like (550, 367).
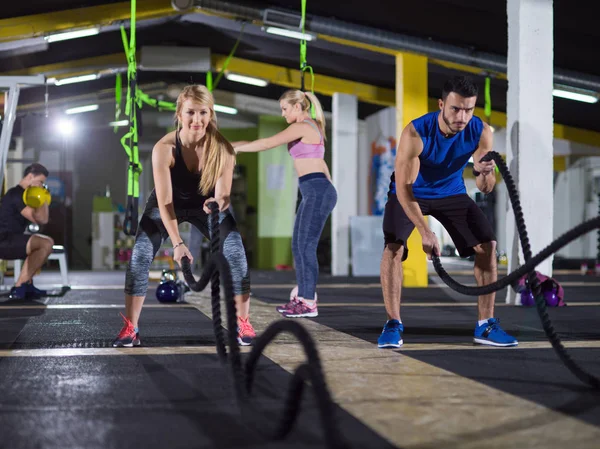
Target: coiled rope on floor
(218, 273)
(529, 269)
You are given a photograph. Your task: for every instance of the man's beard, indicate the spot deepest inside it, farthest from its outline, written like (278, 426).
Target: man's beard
(448, 124)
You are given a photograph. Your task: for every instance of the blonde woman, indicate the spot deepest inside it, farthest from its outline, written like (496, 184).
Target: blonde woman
(191, 167)
(305, 141)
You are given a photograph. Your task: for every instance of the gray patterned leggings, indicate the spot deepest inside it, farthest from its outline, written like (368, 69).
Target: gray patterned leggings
(152, 233)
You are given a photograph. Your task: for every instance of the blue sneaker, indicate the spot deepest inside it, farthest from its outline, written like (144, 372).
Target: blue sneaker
(492, 334)
(34, 292)
(19, 292)
(391, 336)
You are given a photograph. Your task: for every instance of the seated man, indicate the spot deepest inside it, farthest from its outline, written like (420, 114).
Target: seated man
(14, 243)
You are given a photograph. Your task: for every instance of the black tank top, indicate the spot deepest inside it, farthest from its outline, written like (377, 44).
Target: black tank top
(185, 184)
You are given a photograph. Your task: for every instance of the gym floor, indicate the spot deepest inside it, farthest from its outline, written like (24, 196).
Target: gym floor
(62, 385)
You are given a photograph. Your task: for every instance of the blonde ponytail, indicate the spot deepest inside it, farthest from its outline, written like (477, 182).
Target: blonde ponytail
(217, 153)
(319, 115)
(306, 99)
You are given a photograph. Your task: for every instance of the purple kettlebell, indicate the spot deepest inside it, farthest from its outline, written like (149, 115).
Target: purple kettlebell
(527, 298)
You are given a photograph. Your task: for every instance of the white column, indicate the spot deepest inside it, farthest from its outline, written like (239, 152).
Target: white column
(344, 171)
(364, 166)
(530, 126)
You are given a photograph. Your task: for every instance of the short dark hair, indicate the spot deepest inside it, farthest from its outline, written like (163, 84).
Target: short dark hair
(36, 169)
(462, 85)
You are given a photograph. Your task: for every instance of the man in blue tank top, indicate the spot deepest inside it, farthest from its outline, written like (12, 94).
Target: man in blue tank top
(432, 153)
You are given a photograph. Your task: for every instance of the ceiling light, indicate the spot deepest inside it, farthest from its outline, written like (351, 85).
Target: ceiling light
(80, 109)
(587, 96)
(72, 35)
(246, 79)
(73, 79)
(65, 127)
(225, 109)
(290, 33)
(119, 123)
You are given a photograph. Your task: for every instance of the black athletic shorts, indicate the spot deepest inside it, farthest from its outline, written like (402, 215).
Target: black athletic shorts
(13, 246)
(459, 214)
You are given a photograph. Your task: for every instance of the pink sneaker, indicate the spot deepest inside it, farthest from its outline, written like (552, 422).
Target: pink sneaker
(245, 331)
(288, 306)
(301, 310)
(128, 337)
(293, 301)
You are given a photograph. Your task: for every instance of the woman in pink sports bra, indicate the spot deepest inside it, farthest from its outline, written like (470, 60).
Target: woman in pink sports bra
(305, 141)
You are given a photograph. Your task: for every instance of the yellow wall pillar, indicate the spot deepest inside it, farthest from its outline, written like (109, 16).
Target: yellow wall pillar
(411, 102)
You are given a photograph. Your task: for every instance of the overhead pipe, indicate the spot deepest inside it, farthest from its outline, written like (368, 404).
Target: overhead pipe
(381, 38)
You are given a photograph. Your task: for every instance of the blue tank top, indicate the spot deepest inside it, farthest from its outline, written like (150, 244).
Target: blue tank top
(443, 159)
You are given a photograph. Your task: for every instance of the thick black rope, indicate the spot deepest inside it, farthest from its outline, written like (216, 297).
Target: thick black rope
(562, 241)
(218, 272)
(529, 268)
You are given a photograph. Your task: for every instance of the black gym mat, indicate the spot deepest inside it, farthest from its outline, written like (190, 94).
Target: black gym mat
(28, 328)
(172, 401)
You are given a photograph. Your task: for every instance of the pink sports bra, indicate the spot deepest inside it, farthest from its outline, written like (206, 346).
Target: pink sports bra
(300, 150)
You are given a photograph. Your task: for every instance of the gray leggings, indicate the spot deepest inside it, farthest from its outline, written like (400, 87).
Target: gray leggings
(152, 233)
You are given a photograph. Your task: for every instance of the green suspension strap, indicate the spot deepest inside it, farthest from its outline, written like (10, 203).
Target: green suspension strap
(118, 97)
(209, 80)
(130, 140)
(161, 105)
(487, 109)
(133, 105)
(158, 104)
(303, 64)
(488, 100)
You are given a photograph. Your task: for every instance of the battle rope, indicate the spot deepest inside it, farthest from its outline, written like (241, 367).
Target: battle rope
(528, 268)
(217, 271)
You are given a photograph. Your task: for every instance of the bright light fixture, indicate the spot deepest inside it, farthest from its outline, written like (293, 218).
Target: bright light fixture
(289, 33)
(72, 35)
(119, 123)
(246, 79)
(225, 109)
(65, 127)
(590, 97)
(73, 79)
(80, 109)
